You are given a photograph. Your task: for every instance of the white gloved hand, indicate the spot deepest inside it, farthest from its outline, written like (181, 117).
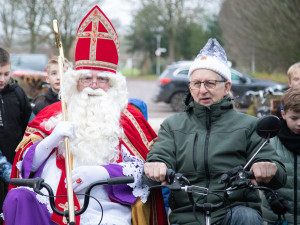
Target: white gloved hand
(62, 129)
(87, 175)
(44, 148)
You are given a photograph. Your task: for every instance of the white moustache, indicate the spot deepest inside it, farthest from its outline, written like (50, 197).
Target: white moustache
(94, 92)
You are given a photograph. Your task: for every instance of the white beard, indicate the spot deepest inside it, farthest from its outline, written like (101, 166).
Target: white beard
(96, 115)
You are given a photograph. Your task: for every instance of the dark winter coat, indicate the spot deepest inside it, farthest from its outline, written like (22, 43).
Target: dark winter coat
(44, 100)
(291, 190)
(202, 144)
(15, 119)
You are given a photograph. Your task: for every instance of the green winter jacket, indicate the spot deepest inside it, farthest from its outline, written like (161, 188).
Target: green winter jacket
(202, 144)
(290, 191)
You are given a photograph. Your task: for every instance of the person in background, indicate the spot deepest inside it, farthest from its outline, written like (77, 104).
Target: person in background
(53, 79)
(107, 138)
(5, 168)
(15, 111)
(293, 74)
(287, 145)
(207, 140)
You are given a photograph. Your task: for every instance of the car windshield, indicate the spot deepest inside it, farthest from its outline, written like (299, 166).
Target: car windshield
(168, 70)
(182, 73)
(237, 77)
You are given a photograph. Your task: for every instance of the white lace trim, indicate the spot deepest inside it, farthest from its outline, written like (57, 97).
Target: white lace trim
(20, 163)
(19, 167)
(133, 166)
(41, 199)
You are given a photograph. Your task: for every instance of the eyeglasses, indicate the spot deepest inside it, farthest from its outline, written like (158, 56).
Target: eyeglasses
(88, 81)
(208, 84)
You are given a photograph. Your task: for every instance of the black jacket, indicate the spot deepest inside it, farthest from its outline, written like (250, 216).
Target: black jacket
(14, 119)
(44, 100)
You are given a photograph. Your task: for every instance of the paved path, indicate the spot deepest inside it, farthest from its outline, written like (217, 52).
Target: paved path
(144, 90)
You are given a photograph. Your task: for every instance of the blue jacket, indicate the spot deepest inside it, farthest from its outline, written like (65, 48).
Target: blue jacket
(5, 168)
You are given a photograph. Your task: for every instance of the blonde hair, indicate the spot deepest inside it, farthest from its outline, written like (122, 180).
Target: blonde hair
(54, 60)
(294, 69)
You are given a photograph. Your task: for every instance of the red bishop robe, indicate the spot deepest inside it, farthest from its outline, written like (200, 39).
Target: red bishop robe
(139, 137)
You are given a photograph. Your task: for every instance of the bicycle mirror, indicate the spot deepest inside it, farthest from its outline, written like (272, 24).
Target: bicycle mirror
(268, 126)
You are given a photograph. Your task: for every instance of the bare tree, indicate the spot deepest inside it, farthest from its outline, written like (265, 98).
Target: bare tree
(173, 21)
(267, 31)
(29, 22)
(34, 13)
(174, 15)
(69, 13)
(9, 19)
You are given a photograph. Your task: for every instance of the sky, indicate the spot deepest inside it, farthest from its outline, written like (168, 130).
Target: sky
(123, 9)
(120, 9)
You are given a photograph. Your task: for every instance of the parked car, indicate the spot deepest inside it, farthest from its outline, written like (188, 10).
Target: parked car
(173, 83)
(33, 62)
(30, 72)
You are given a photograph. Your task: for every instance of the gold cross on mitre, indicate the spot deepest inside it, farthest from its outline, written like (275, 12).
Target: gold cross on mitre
(98, 32)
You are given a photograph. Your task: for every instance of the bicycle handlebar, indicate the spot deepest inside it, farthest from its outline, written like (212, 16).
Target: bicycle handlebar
(235, 179)
(38, 183)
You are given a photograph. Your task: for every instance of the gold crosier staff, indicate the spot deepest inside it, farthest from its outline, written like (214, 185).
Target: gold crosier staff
(61, 60)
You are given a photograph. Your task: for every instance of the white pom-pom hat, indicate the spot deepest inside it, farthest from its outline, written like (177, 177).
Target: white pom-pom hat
(213, 57)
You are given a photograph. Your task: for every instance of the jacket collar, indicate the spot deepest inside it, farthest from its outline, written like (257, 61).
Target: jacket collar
(12, 83)
(216, 110)
(51, 95)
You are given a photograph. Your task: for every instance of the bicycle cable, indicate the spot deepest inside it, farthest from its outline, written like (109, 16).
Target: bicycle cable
(90, 196)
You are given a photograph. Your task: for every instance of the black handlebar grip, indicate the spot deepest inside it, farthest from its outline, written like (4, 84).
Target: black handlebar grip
(170, 174)
(120, 180)
(250, 174)
(26, 182)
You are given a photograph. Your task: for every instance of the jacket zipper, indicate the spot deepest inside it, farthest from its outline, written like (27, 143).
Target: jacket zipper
(295, 189)
(2, 110)
(195, 151)
(208, 128)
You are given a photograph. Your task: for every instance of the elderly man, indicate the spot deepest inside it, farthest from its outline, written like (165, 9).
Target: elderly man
(209, 139)
(108, 138)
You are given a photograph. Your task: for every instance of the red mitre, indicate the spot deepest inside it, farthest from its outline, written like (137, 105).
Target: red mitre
(97, 43)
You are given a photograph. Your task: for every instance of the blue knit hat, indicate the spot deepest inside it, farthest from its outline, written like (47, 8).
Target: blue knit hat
(213, 57)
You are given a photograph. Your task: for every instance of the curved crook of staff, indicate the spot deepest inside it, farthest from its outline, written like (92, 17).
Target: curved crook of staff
(61, 59)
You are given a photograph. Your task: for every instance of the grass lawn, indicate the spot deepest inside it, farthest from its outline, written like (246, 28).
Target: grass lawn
(280, 78)
(135, 73)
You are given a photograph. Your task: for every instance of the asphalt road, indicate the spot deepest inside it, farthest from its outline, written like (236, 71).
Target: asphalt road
(144, 90)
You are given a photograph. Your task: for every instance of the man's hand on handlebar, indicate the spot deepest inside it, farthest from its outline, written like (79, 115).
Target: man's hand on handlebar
(263, 172)
(156, 171)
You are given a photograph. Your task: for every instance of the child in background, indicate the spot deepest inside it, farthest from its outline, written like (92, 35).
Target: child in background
(287, 145)
(294, 75)
(15, 111)
(51, 96)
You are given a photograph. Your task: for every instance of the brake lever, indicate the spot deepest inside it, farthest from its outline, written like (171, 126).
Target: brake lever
(231, 175)
(174, 181)
(240, 180)
(174, 186)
